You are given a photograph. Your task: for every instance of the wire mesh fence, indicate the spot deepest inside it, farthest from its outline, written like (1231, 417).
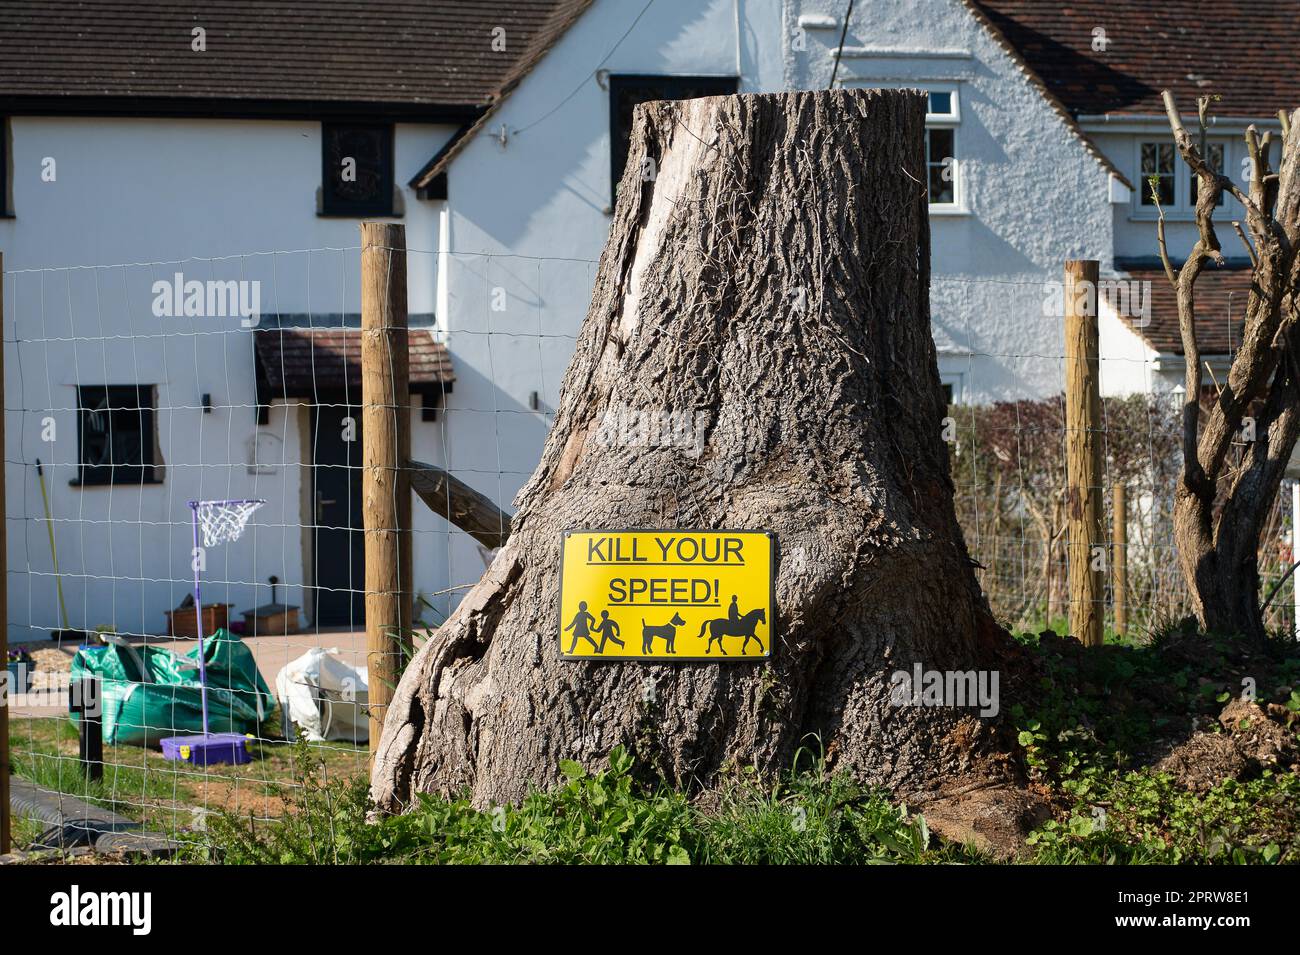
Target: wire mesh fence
(139, 388)
(136, 389)
(1007, 434)
(1009, 471)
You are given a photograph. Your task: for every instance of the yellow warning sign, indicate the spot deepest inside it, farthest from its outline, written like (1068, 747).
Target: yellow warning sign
(666, 595)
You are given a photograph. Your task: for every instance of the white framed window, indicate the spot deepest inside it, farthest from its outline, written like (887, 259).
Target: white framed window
(944, 106)
(1162, 173)
(942, 161)
(951, 383)
(943, 178)
(941, 166)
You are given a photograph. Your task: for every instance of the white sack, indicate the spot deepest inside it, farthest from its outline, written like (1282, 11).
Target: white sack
(325, 697)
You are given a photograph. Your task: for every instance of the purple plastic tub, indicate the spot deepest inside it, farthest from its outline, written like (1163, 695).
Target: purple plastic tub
(209, 749)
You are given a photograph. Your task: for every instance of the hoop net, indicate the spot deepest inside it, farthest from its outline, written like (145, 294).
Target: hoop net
(223, 521)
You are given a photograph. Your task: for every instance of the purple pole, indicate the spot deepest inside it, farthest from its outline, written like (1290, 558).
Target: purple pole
(198, 611)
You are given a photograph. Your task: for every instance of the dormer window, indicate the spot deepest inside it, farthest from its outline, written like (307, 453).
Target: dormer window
(356, 170)
(1163, 175)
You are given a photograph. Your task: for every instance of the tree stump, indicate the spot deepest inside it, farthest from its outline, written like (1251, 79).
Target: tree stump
(766, 277)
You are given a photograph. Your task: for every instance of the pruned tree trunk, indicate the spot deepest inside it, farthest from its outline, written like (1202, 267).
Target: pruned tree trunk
(1221, 507)
(767, 278)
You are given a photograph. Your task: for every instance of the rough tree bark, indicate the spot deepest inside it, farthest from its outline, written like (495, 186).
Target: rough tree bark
(771, 279)
(1217, 529)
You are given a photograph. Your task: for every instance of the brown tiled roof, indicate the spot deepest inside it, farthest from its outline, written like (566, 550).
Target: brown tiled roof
(1242, 50)
(303, 363)
(409, 53)
(1067, 117)
(438, 164)
(1220, 309)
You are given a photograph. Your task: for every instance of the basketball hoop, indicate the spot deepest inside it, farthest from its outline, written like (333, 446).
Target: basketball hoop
(223, 521)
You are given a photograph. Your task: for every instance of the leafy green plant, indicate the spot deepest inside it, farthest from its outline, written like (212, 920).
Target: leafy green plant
(1148, 818)
(591, 818)
(604, 817)
(325, 824)
(42, 762)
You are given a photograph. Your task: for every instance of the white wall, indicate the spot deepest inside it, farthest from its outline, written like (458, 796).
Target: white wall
(1034, 196)
(1128, 365)
(1135, 237)
(155, 191)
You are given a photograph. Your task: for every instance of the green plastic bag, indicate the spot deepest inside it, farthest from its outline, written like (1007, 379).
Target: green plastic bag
(150, 693)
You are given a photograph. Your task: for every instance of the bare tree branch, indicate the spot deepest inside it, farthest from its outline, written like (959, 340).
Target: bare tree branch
(1196, 162)
(1222, 503)
(1170, 273)
(1250, 249)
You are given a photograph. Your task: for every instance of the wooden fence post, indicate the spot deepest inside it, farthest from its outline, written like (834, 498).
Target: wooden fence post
(5, 829)
(1119, 558)
(386, 447)
(1083, 452)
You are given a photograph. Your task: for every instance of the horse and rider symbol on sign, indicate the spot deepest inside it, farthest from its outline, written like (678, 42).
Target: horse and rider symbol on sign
(667, 587)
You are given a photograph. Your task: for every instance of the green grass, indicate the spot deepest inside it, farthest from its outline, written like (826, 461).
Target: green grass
(1037, 621)
(25, 831)
(813, 817)
(1086, 733)
(164, 795)
(810, 817)
(592, 818)
(1105, 707)
(48, 757)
